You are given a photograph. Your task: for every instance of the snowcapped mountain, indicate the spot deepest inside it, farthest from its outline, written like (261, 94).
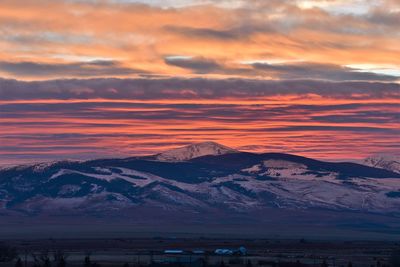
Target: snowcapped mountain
(387, 162)
(194, 151)
(203, 180)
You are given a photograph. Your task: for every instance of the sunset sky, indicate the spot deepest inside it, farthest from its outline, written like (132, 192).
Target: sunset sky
(83, 79)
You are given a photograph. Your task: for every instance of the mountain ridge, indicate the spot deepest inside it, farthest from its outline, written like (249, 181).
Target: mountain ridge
(226, 189)
(236, 181)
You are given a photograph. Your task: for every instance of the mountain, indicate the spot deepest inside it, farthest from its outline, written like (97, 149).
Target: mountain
(206, 183)
(387, 162)
(194, 151)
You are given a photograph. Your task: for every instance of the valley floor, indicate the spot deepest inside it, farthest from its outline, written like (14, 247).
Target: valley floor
(260, 252)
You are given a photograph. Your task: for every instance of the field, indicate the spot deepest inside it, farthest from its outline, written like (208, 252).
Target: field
(260, 252)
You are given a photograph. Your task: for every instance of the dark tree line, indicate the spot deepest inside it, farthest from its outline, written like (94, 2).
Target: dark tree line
(59, 259)
(7, 253)
(44, 259)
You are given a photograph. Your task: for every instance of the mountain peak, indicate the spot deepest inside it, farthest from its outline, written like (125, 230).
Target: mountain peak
(194, 151)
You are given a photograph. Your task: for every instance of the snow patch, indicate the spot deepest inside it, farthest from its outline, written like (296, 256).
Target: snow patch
(194, 151)
(387, 162)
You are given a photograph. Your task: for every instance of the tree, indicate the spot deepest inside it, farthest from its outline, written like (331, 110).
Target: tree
(36, 262)
(18, 263)
(45, 259)
(87, 261)
(249, 264)
(62, 263)
(60, 258)
(395, 258)
(7, 253)
(324, 264)
(46, 262)
(205, 260)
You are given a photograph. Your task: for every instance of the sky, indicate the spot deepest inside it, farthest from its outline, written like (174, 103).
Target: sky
(84, 79)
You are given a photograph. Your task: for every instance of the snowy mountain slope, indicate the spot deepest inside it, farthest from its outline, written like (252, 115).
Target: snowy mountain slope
(387, 162)
(230, 181)
(194, 151)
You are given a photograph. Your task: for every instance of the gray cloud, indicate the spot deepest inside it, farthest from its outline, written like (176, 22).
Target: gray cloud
(123, 114)
(193, 88)
(201, 65)
(198, 65)
(388, 16)
(335, 129)
(307, 70)
(286, 71)
(202, 32)
(302, 128)
(378, 117)
(81, 69)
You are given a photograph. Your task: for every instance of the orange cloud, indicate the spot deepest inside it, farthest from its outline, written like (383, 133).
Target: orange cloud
(140, 36)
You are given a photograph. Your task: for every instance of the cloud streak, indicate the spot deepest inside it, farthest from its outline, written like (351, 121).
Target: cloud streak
(77, 69)
(93, 118)
(191, 88)
(320, 71)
